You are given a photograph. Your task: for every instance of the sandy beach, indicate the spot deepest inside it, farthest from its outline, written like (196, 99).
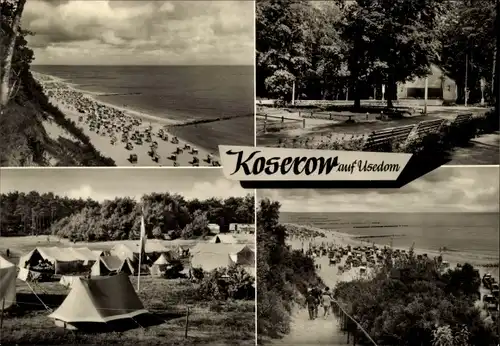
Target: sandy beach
(129, 137)
(344, 239)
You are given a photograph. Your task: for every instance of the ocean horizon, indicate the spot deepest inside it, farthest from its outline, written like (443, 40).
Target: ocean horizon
(180, 93)
(475, 233)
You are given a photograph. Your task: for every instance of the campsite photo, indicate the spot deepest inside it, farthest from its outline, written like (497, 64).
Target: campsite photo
(126, 256)
(412, 266)
(125, 83)
(404, 76)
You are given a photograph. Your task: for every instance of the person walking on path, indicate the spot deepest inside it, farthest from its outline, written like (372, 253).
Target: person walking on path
(326, 302)
(311, 304)
(316, 291)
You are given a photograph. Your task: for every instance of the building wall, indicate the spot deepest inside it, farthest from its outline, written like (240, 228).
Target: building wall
(436, 80)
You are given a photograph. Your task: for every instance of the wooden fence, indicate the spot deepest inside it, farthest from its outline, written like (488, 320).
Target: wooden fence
(355, 334)
(270, 123)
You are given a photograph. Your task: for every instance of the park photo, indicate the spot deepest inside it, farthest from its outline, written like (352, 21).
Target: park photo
(379, 76)
(411, 266)
(88, 258)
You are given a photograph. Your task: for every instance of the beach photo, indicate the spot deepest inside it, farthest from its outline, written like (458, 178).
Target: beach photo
(377, 76)
(412, 266)
(87, 258)
(125, 83)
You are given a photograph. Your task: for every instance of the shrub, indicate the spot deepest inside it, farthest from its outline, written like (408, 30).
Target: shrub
(232, 282)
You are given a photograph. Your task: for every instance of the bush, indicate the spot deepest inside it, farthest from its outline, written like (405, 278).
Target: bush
(283, 274)
(416, 308)
(233, 282)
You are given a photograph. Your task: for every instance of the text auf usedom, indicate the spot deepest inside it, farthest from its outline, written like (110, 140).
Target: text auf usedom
(253, 164)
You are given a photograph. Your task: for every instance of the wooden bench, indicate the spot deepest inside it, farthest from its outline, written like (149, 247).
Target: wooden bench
(392, 135)
(461, 118)
(424, 128)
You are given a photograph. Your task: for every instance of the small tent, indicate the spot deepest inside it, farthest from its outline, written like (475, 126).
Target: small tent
(98, 300)
(8, 274)
(159, 266)
(224, 238)
(245, 257)
(106, 265)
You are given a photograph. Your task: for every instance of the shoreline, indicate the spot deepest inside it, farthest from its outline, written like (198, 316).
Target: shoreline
(484, 263)
(172, 151)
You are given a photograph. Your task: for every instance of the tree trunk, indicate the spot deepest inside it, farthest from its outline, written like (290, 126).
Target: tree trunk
(390, 91)
(7, 63)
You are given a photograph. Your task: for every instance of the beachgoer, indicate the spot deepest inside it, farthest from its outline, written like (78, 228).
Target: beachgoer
(311, 303)
(326, 302)
(7, 253)
(316, 291)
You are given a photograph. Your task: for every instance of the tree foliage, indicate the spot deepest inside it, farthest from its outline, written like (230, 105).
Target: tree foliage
(89, 220)
(419, 306)
(334, 50)
(282, 273)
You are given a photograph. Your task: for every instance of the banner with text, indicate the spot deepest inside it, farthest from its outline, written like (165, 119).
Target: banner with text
(263, 167)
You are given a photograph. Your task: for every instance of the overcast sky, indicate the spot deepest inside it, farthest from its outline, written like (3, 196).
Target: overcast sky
(447, 189)
(105, 183)
(89, 32)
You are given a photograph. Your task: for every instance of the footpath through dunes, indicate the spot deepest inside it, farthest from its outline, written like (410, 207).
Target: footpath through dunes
(321, 331)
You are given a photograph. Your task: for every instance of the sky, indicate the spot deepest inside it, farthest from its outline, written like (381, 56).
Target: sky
(105, 183)
(112, 32)
(447, 189)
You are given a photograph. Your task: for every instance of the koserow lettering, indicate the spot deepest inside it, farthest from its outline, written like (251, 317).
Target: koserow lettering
(255, 165)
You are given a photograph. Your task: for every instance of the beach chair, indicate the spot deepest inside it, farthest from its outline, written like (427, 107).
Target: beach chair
(133, 158)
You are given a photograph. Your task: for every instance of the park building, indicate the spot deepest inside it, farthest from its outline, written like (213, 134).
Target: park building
(440, 89)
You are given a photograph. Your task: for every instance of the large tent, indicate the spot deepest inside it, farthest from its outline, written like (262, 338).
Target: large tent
(64, 260)
(98, 300)
(8, 274)
(209, 256)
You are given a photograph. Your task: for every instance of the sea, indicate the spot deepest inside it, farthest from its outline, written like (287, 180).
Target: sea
(475, 233)
(179, 93)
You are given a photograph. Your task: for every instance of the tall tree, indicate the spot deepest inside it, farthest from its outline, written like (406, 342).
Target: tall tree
(11, 32)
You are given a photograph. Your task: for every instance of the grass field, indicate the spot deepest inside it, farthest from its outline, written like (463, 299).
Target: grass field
(209, 322)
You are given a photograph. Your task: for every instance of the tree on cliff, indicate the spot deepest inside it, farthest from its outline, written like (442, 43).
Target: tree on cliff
(11, 31)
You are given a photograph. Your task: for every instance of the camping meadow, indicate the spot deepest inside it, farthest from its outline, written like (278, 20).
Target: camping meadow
(162, 270)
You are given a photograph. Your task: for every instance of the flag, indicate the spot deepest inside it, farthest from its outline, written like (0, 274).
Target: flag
(143, 236)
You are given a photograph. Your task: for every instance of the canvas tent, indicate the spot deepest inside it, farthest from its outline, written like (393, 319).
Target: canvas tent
(159, 266)
(107, 265)
(224, 238)
(209, 256)
(245, 257)
(27, 275)
(68, 280)
(131, 250)
(8, 274)
(98, 300)
(64, 260)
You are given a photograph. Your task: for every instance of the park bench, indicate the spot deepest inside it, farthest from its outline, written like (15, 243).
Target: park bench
(392, 135)
(427, 127)
(461, 118)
